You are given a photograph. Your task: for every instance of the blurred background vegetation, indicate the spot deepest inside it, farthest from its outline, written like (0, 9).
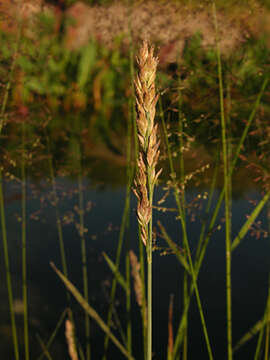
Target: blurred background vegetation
(84, 92)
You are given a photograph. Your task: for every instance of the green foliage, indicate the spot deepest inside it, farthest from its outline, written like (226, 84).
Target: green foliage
(243, 71)
(86, 64)
(94, 82)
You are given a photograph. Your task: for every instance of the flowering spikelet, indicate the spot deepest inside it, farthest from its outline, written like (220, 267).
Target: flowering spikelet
(71, 341)
(146, 100)
(135, 271)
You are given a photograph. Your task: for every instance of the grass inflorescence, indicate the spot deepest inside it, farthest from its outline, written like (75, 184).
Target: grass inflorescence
(199, 106)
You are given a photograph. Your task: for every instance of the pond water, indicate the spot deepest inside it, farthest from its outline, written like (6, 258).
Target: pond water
(103, 211)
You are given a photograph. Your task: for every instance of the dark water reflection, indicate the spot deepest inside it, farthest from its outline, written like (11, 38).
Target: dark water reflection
(250, 268)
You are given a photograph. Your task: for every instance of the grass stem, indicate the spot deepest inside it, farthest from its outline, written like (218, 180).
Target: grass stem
(227, 194)
(24, 258)
(187, 248)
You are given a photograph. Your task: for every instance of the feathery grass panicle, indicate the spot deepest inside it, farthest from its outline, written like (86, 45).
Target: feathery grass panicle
(146, 100)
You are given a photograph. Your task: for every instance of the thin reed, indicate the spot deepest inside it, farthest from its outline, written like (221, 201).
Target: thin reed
(227, 180)
(183, 323)
(123, 226)
(2, 204)
(57, 210)
(81, 228)
(24, 252)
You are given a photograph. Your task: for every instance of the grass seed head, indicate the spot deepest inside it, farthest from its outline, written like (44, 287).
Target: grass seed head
(135, 272)
(146, 100)
(71, 340)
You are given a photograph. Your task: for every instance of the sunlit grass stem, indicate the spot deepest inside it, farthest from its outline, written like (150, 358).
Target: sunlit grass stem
(130, 174)
(144, 301)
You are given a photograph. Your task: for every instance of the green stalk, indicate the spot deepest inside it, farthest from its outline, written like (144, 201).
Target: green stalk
(124, 224)
(259, 342)
(44, 348)
(185, 292)
(267, 311)
(94, 315)
(130, 173)
(117, 263)
(264, 326)
(227, 199)
(233, 164)
(183, 201)
(201, 243)
(84, 258)
(57, 212)
(267, 330)
(2, 206)
(54, 333)
(24, 260)
(7, 268)
(128, 306)
(144, 302)
(267, 335)
(194, 280)
(149, 272)
(186, 244)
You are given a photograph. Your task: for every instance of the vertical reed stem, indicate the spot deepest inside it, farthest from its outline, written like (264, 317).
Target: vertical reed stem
(57, 213)
(149, 292)
(2, 205)
(226, 195)
(7, 268)
(267, 336)
(130, 172)
(144, 302)
(24, 260)
(84, 257)
(189, 258)
(117, 263)
(183, 201)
